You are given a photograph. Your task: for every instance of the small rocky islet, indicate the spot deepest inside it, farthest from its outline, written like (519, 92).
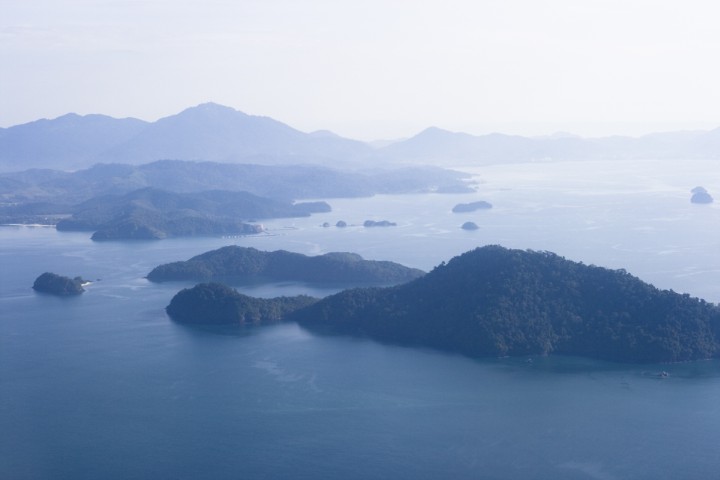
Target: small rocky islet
(55, 284)
(700, 195)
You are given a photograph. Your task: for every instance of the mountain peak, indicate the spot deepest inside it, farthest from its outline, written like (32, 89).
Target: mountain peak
(69, 117)
(324, 134)
(434, 131)
(210, 108)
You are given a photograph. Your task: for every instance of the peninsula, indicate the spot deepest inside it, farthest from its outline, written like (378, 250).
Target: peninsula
(494, 301)
(214, 304)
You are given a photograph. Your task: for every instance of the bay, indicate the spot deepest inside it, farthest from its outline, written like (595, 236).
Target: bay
(106, 386)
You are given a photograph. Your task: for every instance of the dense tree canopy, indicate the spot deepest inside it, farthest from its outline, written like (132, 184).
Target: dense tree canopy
(213, 303)
(234, 263)
(495, 301)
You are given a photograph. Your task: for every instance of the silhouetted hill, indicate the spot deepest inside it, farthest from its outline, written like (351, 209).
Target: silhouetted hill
(211, 132)
(218, 133)
(68, 142)
(495, 301)
(441, 147)
(242, 264)
(206, 132)
(434, 145)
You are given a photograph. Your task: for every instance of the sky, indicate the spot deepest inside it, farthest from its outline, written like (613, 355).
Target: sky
(371, 69)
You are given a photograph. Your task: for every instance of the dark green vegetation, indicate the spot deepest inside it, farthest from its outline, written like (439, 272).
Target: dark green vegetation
(212, 303)
(471, 207)
(243, 264)
(58, 285)
(152, 214)
(495, 301)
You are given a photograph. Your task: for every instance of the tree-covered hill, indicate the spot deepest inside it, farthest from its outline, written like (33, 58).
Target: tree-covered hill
(244, 264)
(213, 304)
(495, 301)
(208, 131)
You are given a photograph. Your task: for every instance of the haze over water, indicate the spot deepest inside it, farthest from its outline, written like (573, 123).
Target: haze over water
(106, 386)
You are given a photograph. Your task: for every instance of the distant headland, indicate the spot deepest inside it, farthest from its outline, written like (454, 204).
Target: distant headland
(471, 207)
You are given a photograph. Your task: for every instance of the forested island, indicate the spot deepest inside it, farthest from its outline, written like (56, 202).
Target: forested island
(494, 301)
(55, 284)
(245, 264)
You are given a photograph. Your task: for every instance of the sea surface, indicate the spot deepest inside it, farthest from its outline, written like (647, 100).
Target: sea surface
(104, 385)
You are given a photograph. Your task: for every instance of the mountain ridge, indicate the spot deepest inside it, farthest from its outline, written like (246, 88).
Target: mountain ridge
(209, 132)
(244, 264)
(213, 132)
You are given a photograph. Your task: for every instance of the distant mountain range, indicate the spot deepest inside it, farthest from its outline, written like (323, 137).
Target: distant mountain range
(494, 301)
(211, 132)
(437, 146)
(206, 132)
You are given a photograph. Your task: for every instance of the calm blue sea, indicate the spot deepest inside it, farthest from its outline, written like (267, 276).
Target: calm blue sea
(106, 386)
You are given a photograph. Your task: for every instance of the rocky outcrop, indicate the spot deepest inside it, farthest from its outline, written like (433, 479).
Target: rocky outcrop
(58, 285)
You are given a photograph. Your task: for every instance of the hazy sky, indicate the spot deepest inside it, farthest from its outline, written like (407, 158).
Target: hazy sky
(372, 68)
